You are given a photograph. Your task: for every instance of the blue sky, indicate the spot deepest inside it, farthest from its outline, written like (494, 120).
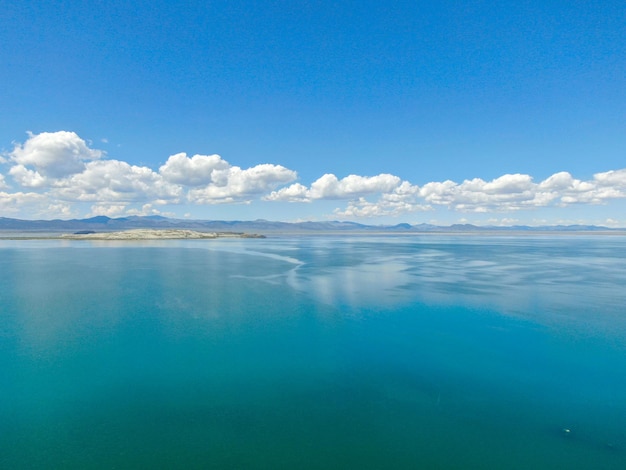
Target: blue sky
(444, 112)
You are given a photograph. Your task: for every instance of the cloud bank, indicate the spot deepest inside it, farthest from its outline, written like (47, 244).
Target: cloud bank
(55, 174)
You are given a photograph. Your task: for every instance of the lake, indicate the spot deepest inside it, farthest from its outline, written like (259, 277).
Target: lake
(303, 352)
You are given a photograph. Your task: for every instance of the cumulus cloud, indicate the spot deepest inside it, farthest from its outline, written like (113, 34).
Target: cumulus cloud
(109, 210)
(195, 171)
(294, 193)
(149, 209)
(14, 203)
(330, 187)
(58, 172)
(615, 178)
(116, 181)
(387, 195)
(27, 178)
(362, 208)
(213, 180)
(54, 154)
(402, 199)
(516, 192)
(395, 197)
(232, 184)
(58, 210)
(508, 192)
(559, 182)
(62, 166)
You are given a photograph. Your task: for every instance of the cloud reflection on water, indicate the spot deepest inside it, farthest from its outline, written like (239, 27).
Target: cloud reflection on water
(547, 279)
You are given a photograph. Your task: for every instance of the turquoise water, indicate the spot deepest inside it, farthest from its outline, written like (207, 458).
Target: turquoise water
(314, 352)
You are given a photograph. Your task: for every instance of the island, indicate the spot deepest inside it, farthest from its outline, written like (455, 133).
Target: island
(157, 234)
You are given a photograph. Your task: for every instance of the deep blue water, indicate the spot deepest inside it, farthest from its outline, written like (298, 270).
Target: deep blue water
(447, 352)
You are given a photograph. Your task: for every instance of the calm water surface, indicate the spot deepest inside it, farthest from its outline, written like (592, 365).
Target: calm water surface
(442, 352)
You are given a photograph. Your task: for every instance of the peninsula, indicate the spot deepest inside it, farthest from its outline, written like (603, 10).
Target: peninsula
(156, 234)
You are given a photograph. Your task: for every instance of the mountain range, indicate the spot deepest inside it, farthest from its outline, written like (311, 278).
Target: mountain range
(107, 224)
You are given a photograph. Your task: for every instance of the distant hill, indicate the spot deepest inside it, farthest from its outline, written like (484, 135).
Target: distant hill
(107, 224)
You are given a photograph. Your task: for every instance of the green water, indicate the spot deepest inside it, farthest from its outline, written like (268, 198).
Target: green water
(314, 352)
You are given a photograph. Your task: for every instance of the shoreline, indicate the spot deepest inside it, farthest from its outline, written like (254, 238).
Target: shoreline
(183, 234)
(133, 234)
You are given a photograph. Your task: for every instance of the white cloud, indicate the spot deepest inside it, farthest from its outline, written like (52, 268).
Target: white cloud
(149, 209)
(401, 200)
(27, 178)
(611, 222)
(115, 181)
(330, 187)
(558, 182)
(363, 208)
(517, 192)
(63, 167)
(294, 193)
(233, 184)
(195, 171)
(213, 180)
(54, 154)
(509, 184)
(58, 210)
(615, 178)
(15, 203)
(58, 172)
(507, 193)
(395, 197)
(603, 187)
(109, 210)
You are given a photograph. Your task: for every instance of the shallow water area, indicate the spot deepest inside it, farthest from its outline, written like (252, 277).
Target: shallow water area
(314, 352)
